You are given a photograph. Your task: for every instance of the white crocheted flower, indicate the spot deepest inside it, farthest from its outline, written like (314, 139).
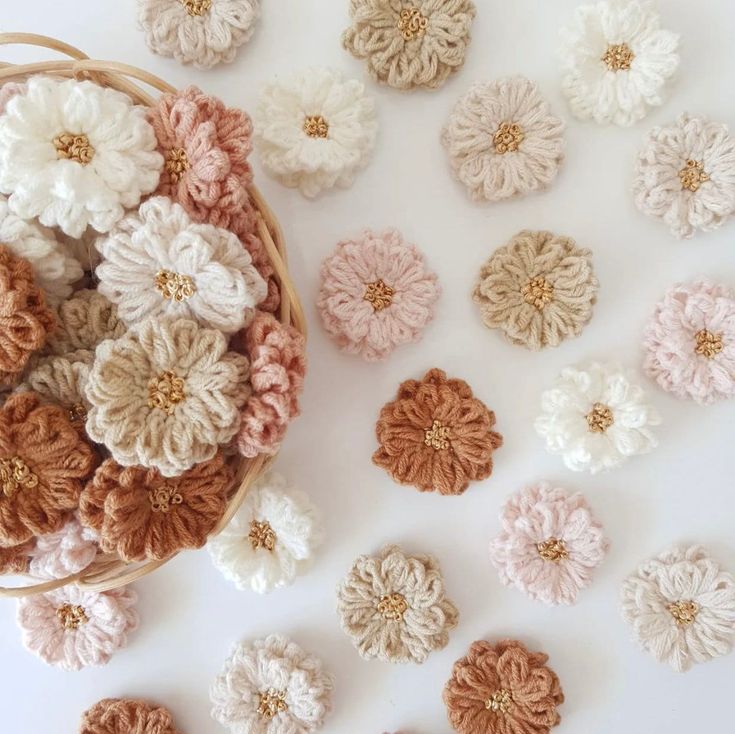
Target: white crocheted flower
(271, 539)
(75, 154)
(616, 61)
(315, 129)
(271, 686)
(158, 263)
(596, 417)
(681, 605)
(65, 552)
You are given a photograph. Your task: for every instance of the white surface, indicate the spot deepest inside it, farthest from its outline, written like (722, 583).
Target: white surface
(681, 492)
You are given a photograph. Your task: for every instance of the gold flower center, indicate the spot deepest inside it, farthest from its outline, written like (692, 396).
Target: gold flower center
(174, 286)
(500, 701)
(14, 475)
(177, 164)
(272, 702)
(78, 414)
(553, 549)
(618, 57)
(693, 175)
(393, 607)
(71, 616)
(378, 294)
(507, 138)
(262, 535)
(315, 126)
(538, 292)
(165, 391)
(196, 7)
(600, 418)
(437, 437)
(684, 612)
(708, 344)
(163, 497)
(412, 23)
(75, 148)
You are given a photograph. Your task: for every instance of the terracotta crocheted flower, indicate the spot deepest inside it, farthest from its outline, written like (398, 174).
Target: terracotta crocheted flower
(376, 293)
(15, 558)
(141, 515)
(127, 716)
(394, 607)
(436, 435)
(410, 43)
(503, 689)
(539, 289)
(43, 465)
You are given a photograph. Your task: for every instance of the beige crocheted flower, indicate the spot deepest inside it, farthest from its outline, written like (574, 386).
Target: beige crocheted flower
(394, 607)
(166, 395)
(410, 43)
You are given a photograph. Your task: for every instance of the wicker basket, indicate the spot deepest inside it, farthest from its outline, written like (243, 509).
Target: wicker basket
(108, 570)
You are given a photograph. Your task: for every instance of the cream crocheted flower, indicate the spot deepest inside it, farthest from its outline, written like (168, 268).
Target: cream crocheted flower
(685, 175)
(271, 539)
(166, 395)
(271, 686)
(616, 61)
(65, 552)
(681, 605)
(75, 154)
(394, 607)
(503, 140)
(158, 263)
(315, 129)
(596, 417)
(410, 43)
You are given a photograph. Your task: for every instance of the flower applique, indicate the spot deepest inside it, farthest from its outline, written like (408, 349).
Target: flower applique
(67, 551)
(126, 715)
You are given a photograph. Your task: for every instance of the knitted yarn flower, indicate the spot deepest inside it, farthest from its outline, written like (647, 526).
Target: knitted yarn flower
(503, 140)
(394, 607)
(503, 689)
(315, 129)
(159, 264)
(72, 628)
(75, 154)
(617, 60)
(65, 552)
(376, 293)
(141, 515)
(271, 686)
(539, 289)
(8, 90)
(596, 417)
(127, 715)
(418, 44)
(436, 435)
(550, 544)
(166, 395)
(199, 32)
(685, 175)
(271, 539)
(15, 558)
(681, 605)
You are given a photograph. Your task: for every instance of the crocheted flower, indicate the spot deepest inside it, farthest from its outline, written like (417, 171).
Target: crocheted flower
(75, 154)
(376, 293)
(685, 175)
(503, 689)
(394, 607)
(596, 417)
(199, 32)
(141, 515)
(15, 558)
(65, 552)
(550, 544)
(315, 129)
(503, 140)
(166, 395)
(43, 463)
(539, 289)
(72, 628)
(271, 686)
(126, 715)
(436, 435)
(8, 90)
(616, 61)
(271, 539)
(682, 607)
(277, 366)
(159, 264)
(410, 44)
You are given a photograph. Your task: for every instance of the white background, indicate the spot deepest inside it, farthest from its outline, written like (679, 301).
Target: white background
(683, 492)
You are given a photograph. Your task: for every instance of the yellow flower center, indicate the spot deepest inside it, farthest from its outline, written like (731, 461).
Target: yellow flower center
(684, 612)
(437, 437)
(177, 164)
(553, 549)
(378, 294)
(538, 292)
(618, 57)
(600, 418)
(163, 497)
(412, 23)
(75, 148)
(500, 701)
(165, 391)
(262, 535)
(272, 702)
(693, 175)
(14, 475)
(196, 7)
(508, 138)
(315, 126)
(174, 286)
(71, 616)
(708, 344)
(393, 607)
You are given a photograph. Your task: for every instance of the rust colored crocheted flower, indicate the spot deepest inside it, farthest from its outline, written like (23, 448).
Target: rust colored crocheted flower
(436, 435)
(139, 514)
(16, 558)
(503, 689)
(127, 716)
(43, 465)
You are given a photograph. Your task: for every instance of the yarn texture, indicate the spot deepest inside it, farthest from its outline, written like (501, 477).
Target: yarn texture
(8, 90)
(539, 289)
(127, 716)
(503, 140)
(15, 559)
(65, 552)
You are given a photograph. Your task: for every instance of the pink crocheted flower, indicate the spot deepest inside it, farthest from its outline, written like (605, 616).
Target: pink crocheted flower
(376, 293)
(690, 342)
(64, 552)
(8, 91)
(550, 544)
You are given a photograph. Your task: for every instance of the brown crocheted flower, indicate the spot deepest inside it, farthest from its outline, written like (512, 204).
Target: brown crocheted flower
(16, 558)
(140, 514)
(43, 464)
(503, 689)
(127, 716)
(436, 435)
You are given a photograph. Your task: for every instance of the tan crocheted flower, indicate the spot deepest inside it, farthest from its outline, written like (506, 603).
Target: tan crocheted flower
(539, 289)
(16, 558)
(394, 607)
(410, 43)
(166, 395)
(436, 435)
(125, 716)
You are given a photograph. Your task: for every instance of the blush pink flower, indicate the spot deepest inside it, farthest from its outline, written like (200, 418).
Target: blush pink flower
(376, 293)
(65, 552)
(550, 544)
(690, 342)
